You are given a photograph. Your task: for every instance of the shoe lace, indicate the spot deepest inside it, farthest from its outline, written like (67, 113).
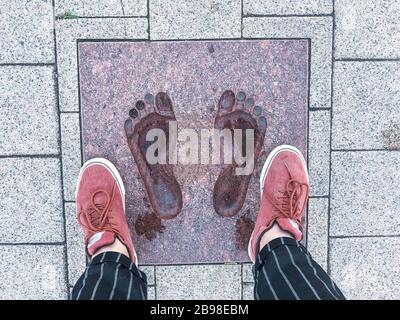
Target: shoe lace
(96, 217)
(289, 203)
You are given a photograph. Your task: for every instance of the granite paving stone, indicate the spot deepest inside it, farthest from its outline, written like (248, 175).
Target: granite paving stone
(317, 233)
(203, 19)
(366, 268)
(30, 200)
(135, 7)
(28, 111)
(287, 7)
(248, 291)
(75, 245)
(201, 71)
(71, 153)
(206, 282)
(150, 272)
(367, 29)
(247, 272)
(32, 272)
(26, 31)
(101, 8)
(151, 293)
(366, 105)
(319, 152)
(365, 193)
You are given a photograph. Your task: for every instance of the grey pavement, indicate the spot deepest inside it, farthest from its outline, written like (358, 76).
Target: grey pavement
(354, 136)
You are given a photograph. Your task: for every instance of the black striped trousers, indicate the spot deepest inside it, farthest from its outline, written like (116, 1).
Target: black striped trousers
(283, 270)
(111, 276)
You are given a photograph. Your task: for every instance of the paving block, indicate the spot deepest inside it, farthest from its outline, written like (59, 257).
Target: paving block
(366, 109)
(248, 291)
(28, 111)
(366, 268)
(286, 7)
(317, 233)
(280, 87)
(247, 272)
(202, 19)
(208, 282)
(135, 7)
(68, 31)
(367, 29)
(365, 193)
(26, 31)
(150, 272)
(75, 245)
(151, 293)
(32, 272)
(101, 8)
(71, 153)
(319, 152)
(318, 30)
(30, 200)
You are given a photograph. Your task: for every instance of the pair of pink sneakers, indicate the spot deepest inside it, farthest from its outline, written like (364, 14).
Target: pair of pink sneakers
(100, 201)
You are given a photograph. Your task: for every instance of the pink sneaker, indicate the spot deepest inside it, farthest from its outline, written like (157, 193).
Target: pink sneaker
(100, 205)
(284, 187)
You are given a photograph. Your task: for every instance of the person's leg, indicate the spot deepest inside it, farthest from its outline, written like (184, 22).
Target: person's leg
(283, 268)
(112, 272)
(111, 275)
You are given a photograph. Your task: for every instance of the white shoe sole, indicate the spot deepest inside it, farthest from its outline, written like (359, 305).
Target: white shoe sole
(265, 170)
(114, 171)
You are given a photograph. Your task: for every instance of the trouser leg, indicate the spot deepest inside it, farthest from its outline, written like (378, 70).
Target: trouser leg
(285, 270)
(111, 276)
